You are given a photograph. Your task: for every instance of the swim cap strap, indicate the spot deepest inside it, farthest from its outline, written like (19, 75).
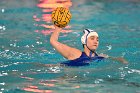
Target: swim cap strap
(88, 32)
(90, 54)
(91, 51)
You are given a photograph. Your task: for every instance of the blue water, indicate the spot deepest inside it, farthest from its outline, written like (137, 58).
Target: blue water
(25, 47)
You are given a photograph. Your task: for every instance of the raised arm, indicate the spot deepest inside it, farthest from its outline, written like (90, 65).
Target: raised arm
(68, 52)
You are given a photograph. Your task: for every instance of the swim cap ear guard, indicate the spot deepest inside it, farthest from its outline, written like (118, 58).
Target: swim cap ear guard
(87, 33)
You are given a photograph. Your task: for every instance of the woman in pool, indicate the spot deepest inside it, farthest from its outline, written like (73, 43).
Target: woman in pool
(90, 43)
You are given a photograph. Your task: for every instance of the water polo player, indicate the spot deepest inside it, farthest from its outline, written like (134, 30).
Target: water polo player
(75, 56)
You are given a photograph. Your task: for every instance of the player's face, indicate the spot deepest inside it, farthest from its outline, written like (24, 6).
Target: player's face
(92, 42)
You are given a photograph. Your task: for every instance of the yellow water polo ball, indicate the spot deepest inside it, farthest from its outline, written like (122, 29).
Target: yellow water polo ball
(61, 16)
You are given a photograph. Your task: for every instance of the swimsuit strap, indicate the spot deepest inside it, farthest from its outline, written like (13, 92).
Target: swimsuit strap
(96, 54)
(84, 54)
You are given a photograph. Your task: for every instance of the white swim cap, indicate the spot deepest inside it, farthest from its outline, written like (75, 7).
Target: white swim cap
(88, 33)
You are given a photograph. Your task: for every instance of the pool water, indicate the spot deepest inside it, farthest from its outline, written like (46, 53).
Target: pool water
(25, 29)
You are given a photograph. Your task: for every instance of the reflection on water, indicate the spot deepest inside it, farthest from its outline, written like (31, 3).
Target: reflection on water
(47, 6)
(36, 89)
